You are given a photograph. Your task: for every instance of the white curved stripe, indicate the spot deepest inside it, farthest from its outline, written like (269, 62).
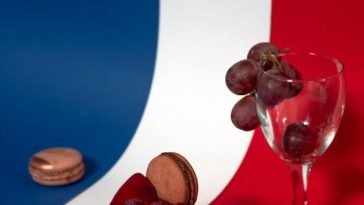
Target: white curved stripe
(188, 110)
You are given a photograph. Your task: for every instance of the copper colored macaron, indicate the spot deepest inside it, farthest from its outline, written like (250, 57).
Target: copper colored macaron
(56, 166)
(173, 178)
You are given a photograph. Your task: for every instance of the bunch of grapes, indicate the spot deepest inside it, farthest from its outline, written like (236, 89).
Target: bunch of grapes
(241, 79)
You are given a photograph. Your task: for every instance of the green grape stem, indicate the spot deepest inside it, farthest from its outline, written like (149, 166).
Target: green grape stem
(274, 58)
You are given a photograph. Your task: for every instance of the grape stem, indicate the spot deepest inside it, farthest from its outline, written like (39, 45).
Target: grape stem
(274, 58)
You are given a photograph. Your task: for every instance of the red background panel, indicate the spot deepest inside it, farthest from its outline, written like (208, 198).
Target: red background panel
(333, 28)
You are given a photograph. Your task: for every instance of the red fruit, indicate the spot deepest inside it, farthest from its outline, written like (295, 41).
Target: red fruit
(257, 52)
(244, 114)
(270, 89)
(159, 203)
(137, 188)
(299, 140)
(134, 202)
(288, 71)
(241, 77)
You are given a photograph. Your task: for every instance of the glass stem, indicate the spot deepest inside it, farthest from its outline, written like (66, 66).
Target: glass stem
(299, 174)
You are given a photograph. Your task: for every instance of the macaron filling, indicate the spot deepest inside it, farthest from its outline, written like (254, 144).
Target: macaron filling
(187, 175)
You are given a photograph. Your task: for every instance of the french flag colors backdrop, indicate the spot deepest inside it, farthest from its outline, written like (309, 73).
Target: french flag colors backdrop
(123, 81)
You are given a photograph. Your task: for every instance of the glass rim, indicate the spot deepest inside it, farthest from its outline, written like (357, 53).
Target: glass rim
(336, 61)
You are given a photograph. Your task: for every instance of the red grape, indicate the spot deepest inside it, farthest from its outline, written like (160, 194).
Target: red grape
(244, 115)
(289, 72)
(241, 77)
(299, 140)
(270, 89)
(257, 52)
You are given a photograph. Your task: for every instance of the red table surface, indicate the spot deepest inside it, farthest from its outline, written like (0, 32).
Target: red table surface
(333, 28)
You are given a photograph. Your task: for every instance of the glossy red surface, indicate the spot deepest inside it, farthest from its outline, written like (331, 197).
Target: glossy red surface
(137, 189)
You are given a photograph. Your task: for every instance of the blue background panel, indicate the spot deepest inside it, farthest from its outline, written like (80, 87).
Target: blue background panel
(72, 73)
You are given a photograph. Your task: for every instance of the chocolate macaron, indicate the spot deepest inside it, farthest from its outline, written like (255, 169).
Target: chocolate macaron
(56, 166)
(173, 178)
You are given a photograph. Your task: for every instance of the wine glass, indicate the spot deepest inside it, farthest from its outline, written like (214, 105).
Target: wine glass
(299, 117)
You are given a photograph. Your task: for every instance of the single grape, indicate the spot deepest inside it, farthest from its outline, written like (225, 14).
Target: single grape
(271, 87)
(290, 72)
(241, 77)
(259, 50)
(244, 115)
(299, 140)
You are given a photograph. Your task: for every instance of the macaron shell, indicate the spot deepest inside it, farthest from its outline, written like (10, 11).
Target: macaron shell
(192, 177)
(56, 166)
(173, 178)
(58, 178)
(58, 158)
